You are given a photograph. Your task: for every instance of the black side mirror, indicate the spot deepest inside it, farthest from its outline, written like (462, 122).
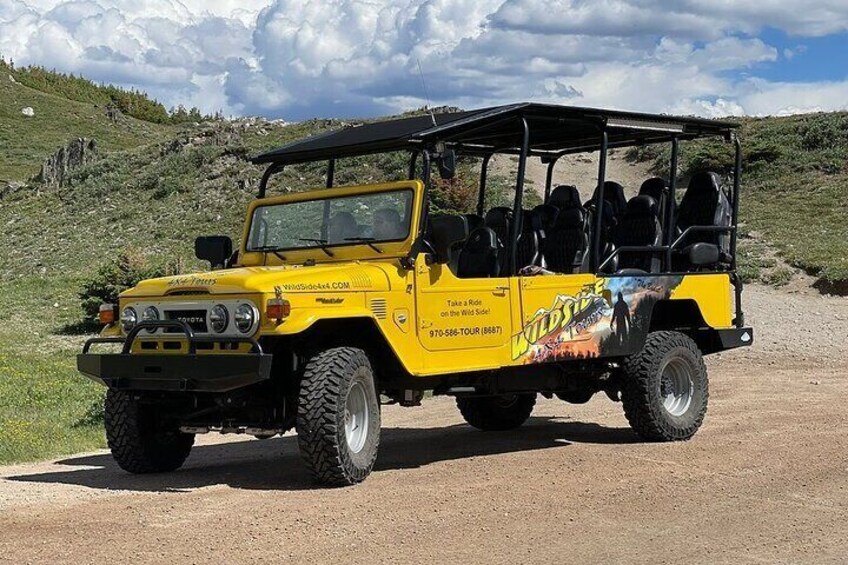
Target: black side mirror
(447, 164)
(216, 249)
(703, 254)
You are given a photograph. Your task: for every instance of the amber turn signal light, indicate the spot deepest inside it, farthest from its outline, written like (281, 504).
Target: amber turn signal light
(108, 313)
(277, 309)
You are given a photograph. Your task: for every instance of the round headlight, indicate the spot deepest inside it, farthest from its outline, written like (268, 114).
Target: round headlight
(218, 318)
(244, 317)
(150, 314)
(129, 318)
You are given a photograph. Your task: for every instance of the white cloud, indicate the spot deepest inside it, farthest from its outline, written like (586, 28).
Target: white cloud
(303, 58)
(760, 97)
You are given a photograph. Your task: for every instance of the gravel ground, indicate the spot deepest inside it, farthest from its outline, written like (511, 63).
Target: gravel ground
(765, 480)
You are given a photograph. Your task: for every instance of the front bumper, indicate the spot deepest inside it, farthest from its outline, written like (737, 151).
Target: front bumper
(195, 373)
(192, 372)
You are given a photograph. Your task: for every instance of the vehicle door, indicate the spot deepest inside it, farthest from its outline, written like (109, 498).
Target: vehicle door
(561, 318)
(460, 315)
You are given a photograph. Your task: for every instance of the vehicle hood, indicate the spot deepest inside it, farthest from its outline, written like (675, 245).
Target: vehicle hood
(330, 278)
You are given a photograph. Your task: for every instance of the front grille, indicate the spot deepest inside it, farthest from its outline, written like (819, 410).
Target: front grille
(196, 319)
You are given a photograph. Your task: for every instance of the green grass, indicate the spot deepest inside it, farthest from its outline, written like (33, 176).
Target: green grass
(26, 141)
(794, 190)
(43, 400)
(43, 404)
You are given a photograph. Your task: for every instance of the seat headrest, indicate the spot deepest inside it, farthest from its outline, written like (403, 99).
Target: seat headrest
(445, 230)
(564, 196)
(544, 216)
(498, 216)
(642, 205)
(705, 181)
(570, 218)
(481, 239)
(613, 196)
(654, 187)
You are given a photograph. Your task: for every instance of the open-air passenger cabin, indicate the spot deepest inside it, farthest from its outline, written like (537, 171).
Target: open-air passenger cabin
(653, 233)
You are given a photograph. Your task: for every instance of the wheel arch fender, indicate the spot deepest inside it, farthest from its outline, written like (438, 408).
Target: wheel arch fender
(684, 315)
(360, 331)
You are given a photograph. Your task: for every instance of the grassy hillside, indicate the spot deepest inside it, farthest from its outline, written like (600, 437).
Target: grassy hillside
(794, 192)
(72, 87)
(157, 187)
(155, 199)
(26, 141)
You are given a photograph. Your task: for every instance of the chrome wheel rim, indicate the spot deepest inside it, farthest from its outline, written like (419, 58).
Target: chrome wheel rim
(356, 417)
(676, 387)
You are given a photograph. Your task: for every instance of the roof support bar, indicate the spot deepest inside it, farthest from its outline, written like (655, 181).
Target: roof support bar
(425, 201)
(599, 201)
(737, 175)
(331, 172)
(671, 201)
(519, 194)
(413, 159)
(549, 179)
(484, 175)
(263, 184)
(739, 320)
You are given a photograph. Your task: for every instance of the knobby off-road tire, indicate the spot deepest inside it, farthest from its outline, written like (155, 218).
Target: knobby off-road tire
(496, 413)
(139, 441)
(665, 388)
(338, 416)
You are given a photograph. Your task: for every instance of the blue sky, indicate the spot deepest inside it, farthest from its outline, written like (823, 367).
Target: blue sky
(807, 58)
(296, 59)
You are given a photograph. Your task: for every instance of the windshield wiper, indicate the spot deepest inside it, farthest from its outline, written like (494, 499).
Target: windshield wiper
(272, 249)
(367, 241)
(322, 243)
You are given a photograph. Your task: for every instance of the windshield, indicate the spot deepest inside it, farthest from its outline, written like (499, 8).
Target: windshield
(349, 220)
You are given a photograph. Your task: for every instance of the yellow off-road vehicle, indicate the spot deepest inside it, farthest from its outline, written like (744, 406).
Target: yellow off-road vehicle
(343, 298)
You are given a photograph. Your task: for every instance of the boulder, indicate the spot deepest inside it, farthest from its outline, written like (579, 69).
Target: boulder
(9, 187)
(28, 112)
(79, 152)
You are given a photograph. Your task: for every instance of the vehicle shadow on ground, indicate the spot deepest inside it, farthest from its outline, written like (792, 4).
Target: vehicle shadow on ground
(275, 464)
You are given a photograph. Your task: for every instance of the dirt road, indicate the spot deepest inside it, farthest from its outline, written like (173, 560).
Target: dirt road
(765, 480)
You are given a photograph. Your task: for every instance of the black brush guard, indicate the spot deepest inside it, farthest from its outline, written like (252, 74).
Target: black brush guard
(177, 372)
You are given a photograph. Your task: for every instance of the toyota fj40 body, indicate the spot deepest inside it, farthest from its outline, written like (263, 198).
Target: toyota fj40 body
(341, 296)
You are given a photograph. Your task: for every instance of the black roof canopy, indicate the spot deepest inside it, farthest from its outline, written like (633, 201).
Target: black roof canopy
(554, 130)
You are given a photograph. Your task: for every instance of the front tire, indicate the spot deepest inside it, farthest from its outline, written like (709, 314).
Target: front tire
(665, 389)
(338, 416)
(496, 413)
(140, 440)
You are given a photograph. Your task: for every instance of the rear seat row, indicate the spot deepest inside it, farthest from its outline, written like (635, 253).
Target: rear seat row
(557, 235)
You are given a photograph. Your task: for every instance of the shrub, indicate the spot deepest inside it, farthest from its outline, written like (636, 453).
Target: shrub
(823, 131)
(117, 275)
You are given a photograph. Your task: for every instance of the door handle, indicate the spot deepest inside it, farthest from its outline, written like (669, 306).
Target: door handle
(501, 290)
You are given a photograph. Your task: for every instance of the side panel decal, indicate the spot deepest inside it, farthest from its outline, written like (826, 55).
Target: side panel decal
(606, 320)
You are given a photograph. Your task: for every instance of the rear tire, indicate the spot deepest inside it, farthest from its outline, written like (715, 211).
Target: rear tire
(140, 441)
(338, 416)
(496, 413)
(665, 388)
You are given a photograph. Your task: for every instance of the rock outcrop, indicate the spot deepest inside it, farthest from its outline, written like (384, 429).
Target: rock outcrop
(9, 187)
(79, 152)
